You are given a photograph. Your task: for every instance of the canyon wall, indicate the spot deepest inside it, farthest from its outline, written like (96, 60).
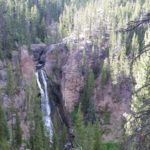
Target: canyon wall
(68, 67)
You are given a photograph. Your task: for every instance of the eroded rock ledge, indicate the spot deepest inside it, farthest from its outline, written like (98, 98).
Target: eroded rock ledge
(68, 66)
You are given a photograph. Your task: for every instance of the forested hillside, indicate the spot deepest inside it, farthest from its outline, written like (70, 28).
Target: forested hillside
(74, 74)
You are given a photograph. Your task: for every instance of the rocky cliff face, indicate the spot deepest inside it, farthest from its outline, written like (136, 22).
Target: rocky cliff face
(68, 66)
(112, 101)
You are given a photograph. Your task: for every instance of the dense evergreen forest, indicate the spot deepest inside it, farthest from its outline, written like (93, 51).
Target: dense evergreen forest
(117, 33)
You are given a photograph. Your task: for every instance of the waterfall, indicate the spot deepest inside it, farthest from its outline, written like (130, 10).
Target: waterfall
(45, 105)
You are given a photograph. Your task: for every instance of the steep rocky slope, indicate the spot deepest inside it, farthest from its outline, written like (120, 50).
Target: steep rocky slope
(68, 68)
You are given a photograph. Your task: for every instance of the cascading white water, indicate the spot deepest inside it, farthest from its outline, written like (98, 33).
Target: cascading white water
(45, 106)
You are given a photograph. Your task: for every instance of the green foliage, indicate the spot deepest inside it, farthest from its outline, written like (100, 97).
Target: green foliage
(26, 22)
(10, 87)
(135, 44)
(59, 138)
(13, 79)
(35, 120)
(79, 127)
(4, 132)
(87, 103)
(140, 120)
(38, 138)
(111, 146)
(105, 74)
(18, 131)
(4, 144)
(82, 131)
(97, 138)
(89, 136)
(106, 117)
(33, 21)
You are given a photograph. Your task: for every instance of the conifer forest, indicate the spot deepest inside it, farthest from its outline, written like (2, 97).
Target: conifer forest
(74, 74)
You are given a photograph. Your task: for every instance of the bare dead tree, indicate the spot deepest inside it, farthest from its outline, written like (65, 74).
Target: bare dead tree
(140, 137)
(144, 50)
(132, 25)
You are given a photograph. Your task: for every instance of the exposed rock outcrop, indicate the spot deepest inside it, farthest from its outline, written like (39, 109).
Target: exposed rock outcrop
(68, 67)
(72, 79)
(27, 65)
(112, 101)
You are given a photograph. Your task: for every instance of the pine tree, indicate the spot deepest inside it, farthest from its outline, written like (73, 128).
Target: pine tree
(10, 87)
(79, 127)
(87, 105)
(105, 74)
(4, 132)
(18, 132)
(97, 137)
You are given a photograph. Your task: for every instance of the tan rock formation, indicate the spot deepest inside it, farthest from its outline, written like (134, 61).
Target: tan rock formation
(65, 66)
(72, 80)
(27, 65)
(111, 103)
(68, 69)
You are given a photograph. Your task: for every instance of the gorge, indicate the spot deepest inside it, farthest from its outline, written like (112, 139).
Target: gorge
(74, 74)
